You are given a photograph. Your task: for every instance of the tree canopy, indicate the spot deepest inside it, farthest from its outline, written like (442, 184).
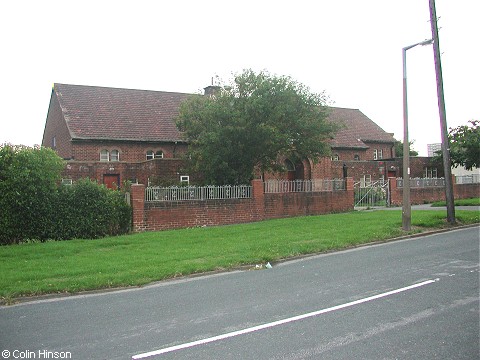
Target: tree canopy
(252, 122)
(399, 148)
(465, 145)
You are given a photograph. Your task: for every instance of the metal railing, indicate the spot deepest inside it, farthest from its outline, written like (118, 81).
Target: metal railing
(191, 193)
(367, 194)
(315, 185)
(422, 182)
(467, 179)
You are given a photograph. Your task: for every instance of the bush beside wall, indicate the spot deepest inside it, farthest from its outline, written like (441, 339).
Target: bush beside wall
(34, 207)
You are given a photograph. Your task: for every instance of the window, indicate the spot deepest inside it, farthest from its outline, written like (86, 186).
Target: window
(335, 157)
(430, 173)
(114, 155)
(366, 180)
(375, 154)
(185, 179)
(67, 182)
(356, 157)
(104, 155)
(380, 154)
(54, 143)
(154, 155)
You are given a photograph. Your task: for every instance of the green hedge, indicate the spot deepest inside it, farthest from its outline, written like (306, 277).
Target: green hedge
(34, 207)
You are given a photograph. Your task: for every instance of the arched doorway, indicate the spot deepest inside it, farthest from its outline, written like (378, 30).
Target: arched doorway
(295, 171)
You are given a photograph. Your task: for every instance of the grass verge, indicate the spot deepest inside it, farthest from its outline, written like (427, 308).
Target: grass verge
(132, 260)
(459, 202)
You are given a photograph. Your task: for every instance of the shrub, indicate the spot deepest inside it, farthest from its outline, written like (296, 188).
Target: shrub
(34, 207)
(28, 178)
(88, 210)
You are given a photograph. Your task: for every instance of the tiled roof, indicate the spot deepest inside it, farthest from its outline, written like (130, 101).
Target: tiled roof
(102, 113)
(356, 129)
(93, 112)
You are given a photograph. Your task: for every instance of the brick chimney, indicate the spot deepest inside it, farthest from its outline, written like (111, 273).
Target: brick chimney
(211, 90)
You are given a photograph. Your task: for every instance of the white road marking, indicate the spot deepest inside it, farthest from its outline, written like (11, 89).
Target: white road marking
(279, 322)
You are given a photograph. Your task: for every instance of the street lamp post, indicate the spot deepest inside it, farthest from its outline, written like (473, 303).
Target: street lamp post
(406, 208)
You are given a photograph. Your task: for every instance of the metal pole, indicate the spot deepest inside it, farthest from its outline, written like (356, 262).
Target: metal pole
(406, 207)
(443, 118)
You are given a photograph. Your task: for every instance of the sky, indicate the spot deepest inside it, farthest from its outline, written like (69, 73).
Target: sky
(350, 49)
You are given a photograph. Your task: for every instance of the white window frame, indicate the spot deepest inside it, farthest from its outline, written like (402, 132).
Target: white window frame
(115, 155)
(375, 154)
(104, 155)
(185, 179)
(150, 155)
(159, 154)
(67, 182)
(380, 154)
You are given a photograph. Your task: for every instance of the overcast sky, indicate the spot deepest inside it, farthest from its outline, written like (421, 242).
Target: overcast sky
(350, 49)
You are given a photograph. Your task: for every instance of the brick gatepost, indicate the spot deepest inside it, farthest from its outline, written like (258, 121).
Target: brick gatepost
(137, 197)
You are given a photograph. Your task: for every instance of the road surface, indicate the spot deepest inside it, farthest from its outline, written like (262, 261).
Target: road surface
(408, 299)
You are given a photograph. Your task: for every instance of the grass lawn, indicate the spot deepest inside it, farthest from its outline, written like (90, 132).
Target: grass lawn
(460, 202)
(132, 260)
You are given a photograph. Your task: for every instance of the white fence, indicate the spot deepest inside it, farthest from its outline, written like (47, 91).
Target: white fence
(468, 179)
(315, 185)
(422, 182)
(190, 193)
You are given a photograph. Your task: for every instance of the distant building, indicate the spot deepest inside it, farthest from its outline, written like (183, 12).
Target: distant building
(433, 148)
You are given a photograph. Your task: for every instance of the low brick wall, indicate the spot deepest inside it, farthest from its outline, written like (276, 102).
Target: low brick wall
(431, 194)
(153, 216)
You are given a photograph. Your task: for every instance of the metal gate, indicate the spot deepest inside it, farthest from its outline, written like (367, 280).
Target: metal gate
(370, 194)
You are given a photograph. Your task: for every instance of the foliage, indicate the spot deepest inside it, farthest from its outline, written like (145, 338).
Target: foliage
(34, 207)
(465, 145)
(137, 259)
(250, 124)
(88, 210)
(399, 148)
(28, 178)
(459, 202)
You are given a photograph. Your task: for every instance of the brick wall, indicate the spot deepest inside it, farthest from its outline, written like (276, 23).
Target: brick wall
(182, 214)
(431, 194)
(166, 171)
(56, 127)
(83, 150)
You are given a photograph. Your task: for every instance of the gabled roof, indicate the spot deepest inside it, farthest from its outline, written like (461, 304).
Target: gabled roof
(356, 129)
(102, 113)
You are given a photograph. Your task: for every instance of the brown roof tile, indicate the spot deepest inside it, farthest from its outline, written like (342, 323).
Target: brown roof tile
(93, 112)
(356, 129)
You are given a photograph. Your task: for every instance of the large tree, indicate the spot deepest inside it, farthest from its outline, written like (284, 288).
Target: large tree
(465, 145)
(252, 122)
(399, 148)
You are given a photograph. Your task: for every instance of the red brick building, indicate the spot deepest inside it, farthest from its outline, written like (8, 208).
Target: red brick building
(114, 135)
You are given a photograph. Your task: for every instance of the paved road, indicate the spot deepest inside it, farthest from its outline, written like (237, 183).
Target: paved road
(410, 299)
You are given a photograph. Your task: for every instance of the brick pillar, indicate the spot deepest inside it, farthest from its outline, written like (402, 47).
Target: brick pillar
(137, 197)
(258, 196)
(396, 196)
(349, 184)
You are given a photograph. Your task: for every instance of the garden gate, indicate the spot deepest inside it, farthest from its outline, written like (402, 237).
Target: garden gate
(369, 194)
